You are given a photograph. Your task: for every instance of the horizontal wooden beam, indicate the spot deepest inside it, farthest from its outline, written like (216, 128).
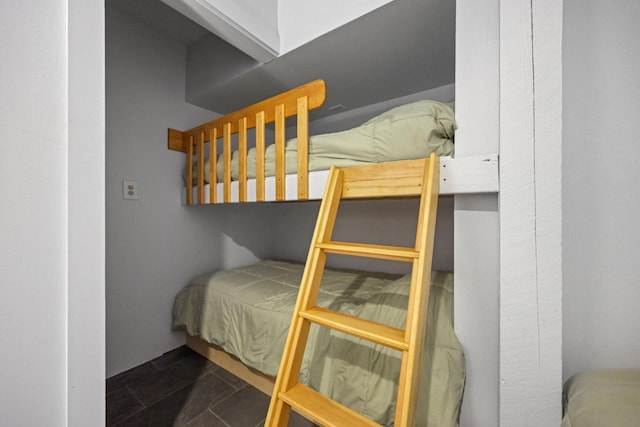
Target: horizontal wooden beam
(315, 93)
(176, 140)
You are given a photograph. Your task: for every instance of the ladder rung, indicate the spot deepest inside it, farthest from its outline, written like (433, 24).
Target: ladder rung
(321, 409)
(372, 331)
(393, 253)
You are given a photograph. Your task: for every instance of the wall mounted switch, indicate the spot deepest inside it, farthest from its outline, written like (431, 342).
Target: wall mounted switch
(129, 190)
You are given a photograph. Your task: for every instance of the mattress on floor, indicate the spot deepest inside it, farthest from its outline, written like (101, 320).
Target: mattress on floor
(599, 398)
(247, 311)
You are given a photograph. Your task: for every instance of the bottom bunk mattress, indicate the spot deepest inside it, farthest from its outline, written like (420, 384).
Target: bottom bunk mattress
(605, 397)
(247, 312)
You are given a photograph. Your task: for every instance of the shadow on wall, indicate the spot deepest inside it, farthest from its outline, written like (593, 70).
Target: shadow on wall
(243, 232)
(385, 222)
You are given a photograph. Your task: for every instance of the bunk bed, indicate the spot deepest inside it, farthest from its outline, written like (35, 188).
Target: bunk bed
(227, 328)
(297, 169)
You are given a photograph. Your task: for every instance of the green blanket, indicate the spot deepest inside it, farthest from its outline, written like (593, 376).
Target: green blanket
(247, 312)
(603, 397)
(410, 131)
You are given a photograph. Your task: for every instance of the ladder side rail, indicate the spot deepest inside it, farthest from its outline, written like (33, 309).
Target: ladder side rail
(418, 297)
(287, 377)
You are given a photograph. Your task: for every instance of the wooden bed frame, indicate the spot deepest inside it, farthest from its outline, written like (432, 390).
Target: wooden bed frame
(295, 102)
(262, 382)
(474, 174)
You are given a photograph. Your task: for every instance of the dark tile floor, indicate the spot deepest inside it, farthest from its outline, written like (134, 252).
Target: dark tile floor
(182, 388)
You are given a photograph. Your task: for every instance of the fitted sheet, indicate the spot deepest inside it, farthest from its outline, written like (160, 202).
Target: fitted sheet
(602, 398)
(247, 311)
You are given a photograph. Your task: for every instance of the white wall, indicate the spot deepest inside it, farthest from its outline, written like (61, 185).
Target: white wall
(530, 212)
(299, 22)
(51, 357)
(33, 184)
(154, 244)
(86, 271)
(262, 22)
(601, 235)
(266, 29)
(476, 217)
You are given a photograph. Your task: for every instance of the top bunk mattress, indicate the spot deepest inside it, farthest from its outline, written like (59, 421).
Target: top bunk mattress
(410, 131)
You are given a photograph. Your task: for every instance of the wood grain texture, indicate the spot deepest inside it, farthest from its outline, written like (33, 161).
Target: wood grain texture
(293, 352)
(418, 295)
(280, 152)
(375, 332)
(380, 181)
(303, 147)
(315, 91)
(242, 158)
(190, 171)
(323, 410)
(393, 179)
(213, 176)
(226, 152)
(295, 102)
(262, 382)
(200, 154)
(260, 157)
(175, 140)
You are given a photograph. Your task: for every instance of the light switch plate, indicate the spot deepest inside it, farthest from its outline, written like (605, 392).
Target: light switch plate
(129, 190)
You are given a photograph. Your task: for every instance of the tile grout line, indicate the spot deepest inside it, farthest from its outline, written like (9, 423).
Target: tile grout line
(145, 407)
(214, 370)
(216, 415)
(223, 400)
(135, 397)
(244, 384)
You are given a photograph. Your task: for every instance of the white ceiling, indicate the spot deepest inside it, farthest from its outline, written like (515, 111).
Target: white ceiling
(404, 47)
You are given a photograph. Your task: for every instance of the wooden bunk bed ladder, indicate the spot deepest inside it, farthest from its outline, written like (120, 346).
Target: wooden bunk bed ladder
(295, 102)
(409, 178)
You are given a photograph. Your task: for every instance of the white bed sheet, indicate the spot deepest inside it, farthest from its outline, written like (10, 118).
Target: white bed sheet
(478, 174)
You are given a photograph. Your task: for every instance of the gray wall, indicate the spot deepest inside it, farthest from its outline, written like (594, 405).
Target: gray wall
(386, 222)
(601, 235)
(34, 230)
(154, 244)
(355, 117)
(211, 62)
